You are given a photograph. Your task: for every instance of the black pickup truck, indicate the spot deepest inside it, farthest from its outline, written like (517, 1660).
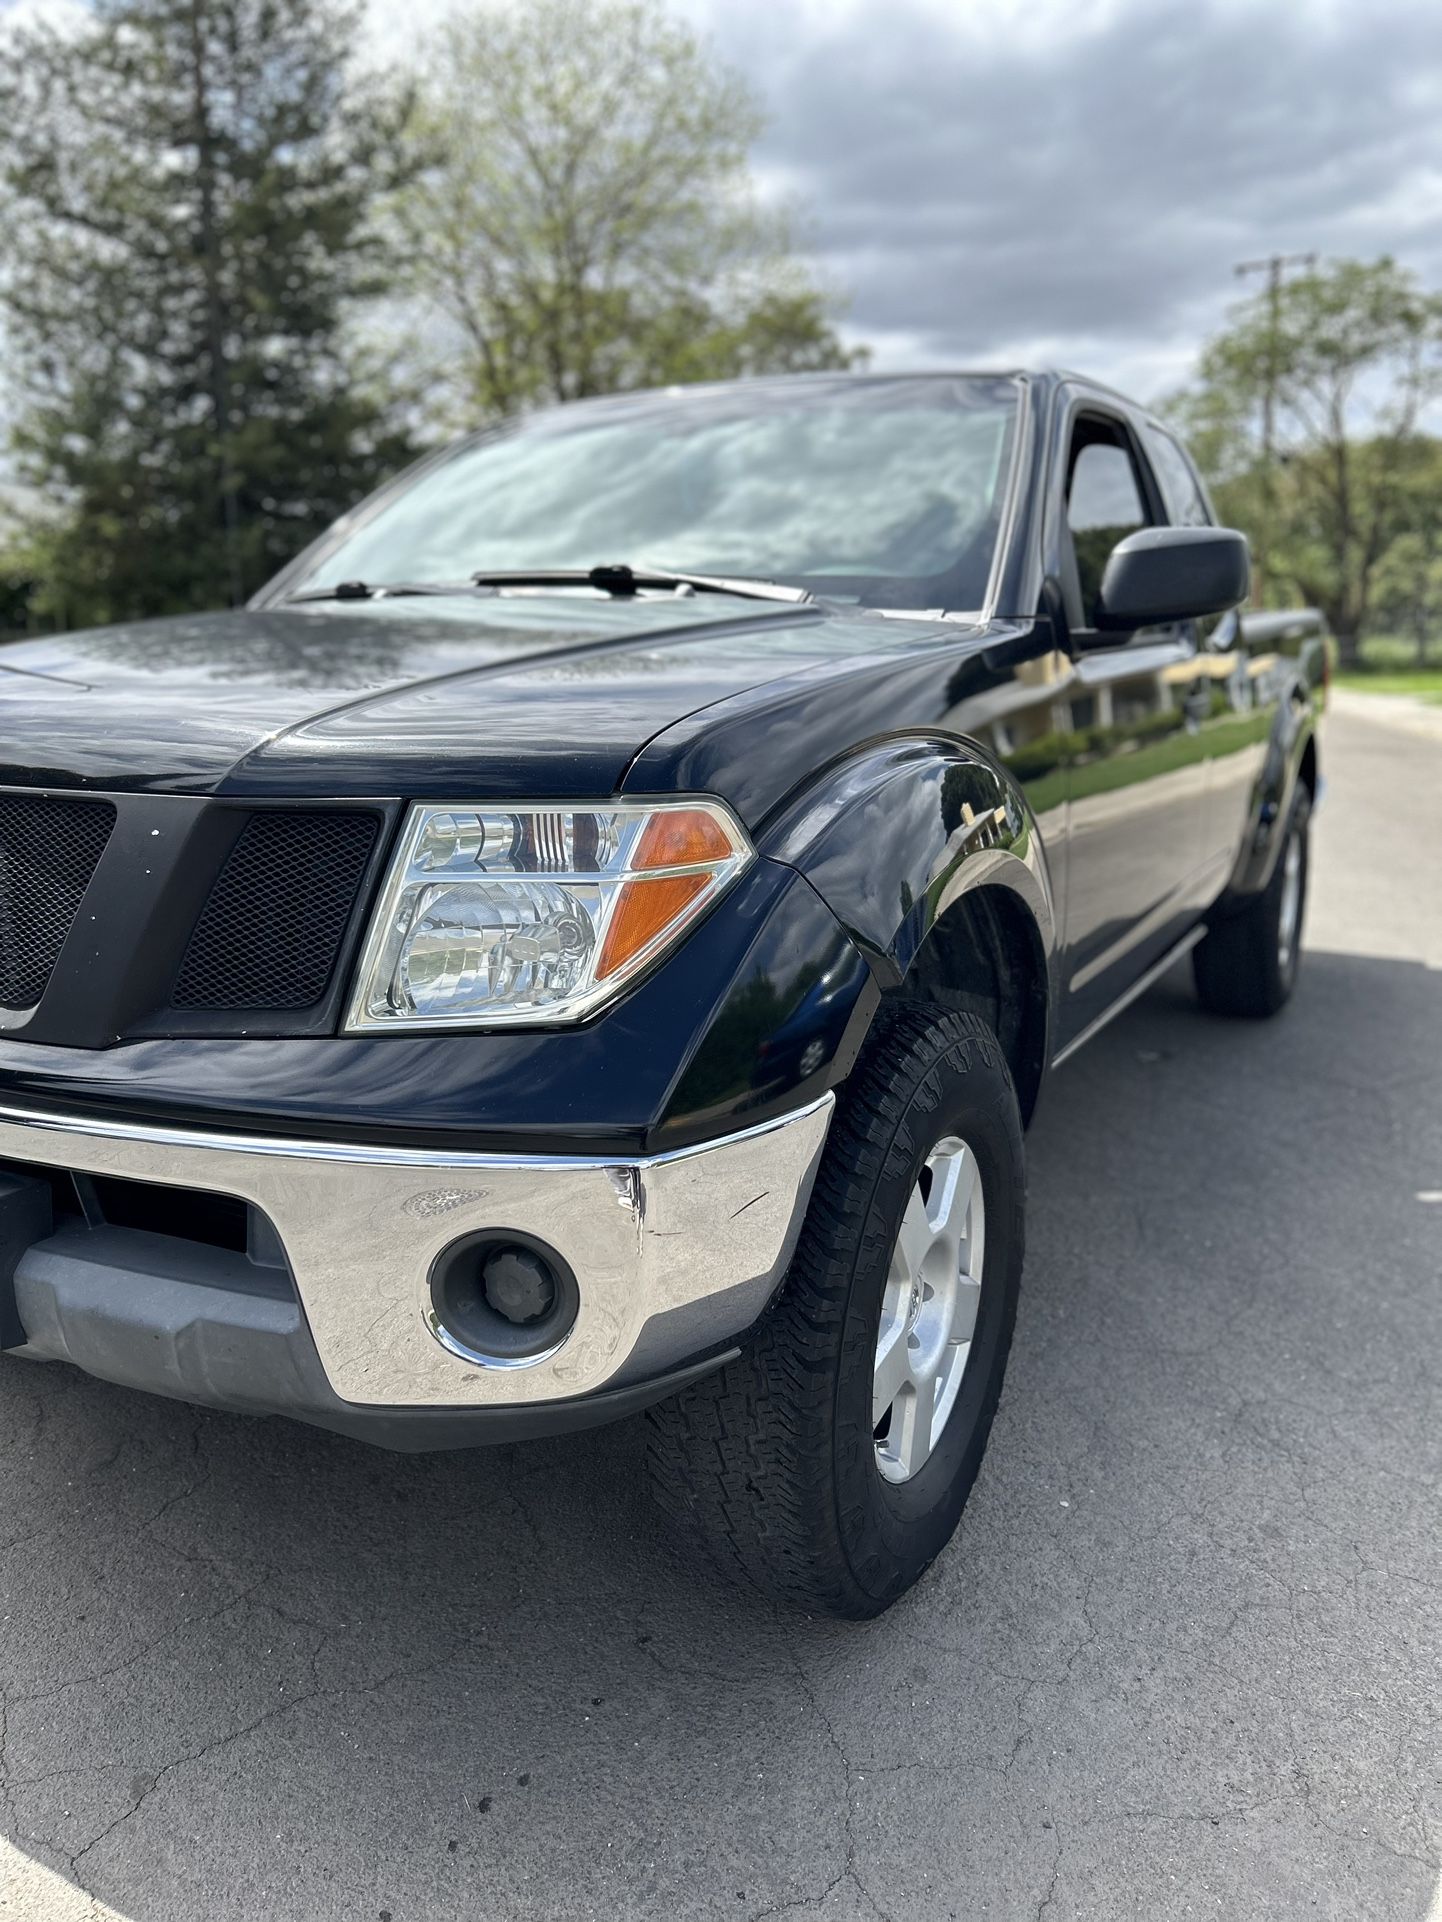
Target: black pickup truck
(591, 934)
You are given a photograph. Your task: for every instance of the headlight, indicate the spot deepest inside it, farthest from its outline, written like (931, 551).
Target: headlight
(494, 915)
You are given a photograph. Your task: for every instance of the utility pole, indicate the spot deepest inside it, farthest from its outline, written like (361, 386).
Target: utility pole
(1274, 267)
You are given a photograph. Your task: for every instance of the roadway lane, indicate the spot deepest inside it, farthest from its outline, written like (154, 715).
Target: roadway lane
(1182, 1660)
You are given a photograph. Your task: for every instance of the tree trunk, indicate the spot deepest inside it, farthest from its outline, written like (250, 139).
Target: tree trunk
(1349, 645)
(214, 308)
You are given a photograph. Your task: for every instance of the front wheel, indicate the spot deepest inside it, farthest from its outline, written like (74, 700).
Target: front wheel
(832, 1460)
(1247, 965)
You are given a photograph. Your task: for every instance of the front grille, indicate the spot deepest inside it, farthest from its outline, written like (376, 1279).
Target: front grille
(270, 932)
(48, 851)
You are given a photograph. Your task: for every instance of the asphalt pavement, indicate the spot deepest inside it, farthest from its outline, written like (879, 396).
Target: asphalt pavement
(1183, 1658)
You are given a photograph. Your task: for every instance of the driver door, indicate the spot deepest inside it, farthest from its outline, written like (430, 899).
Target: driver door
(1136, 754)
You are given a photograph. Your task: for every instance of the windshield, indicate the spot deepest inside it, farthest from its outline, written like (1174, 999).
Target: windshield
(883, 491)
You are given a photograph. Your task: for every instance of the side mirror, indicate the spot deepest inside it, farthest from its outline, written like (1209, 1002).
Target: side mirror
(1162, 574)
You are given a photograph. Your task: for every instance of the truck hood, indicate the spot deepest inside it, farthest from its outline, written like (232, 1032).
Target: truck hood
(545, 696)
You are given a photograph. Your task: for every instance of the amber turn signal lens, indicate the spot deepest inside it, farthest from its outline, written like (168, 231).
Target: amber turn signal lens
(644, 909)
(680, 837)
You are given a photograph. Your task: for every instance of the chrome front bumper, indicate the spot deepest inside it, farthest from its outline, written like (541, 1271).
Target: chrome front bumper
(674, 1254)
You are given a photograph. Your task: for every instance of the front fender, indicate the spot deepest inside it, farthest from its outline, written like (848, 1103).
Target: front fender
(900, 833)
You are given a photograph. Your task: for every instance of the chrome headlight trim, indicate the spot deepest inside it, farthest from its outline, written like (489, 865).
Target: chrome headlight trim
(387, 937)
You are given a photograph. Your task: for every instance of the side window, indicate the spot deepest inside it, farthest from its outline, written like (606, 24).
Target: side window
(1104, 504)
(1181, 490)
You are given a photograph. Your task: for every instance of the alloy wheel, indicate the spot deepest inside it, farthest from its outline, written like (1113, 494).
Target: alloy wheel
(928, 1310)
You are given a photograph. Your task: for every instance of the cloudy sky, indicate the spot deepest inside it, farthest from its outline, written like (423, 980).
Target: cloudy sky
(1073, 181)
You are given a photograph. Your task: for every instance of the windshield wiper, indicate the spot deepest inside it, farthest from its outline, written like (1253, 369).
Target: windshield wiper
(378, 590)
(619, 580)
(622, 580)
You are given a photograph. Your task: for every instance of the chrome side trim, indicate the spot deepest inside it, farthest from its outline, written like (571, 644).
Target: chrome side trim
(369, 1153)
(1124, 1001)
(662, 1246)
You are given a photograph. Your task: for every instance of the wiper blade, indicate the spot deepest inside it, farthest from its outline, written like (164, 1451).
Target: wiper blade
(378, 590)
(623, 580)
(620, 580)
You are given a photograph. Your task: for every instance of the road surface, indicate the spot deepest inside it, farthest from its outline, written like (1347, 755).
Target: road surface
(1182, 1660)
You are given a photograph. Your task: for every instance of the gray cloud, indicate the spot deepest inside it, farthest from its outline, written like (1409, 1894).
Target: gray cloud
(983, 193)
(999, 181)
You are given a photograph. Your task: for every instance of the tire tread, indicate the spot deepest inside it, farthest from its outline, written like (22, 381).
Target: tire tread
(745, 1457)
(1236, 968)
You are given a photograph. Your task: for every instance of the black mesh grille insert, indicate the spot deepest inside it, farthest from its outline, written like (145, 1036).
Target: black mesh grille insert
(48, 852)
(270, 932)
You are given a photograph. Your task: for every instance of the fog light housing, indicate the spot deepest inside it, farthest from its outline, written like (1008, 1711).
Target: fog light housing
(501, 1300)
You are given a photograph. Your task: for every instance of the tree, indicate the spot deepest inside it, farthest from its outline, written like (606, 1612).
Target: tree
(1409, 587)
(187, 187)
(1352, 354)
(17, 584)
(1407, 592)
(584, 220)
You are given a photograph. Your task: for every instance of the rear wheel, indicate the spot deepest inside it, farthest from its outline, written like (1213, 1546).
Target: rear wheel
(832, 1460)
(1247, 965)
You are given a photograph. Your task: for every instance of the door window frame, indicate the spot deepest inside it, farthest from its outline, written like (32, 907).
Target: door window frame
(1081, 403)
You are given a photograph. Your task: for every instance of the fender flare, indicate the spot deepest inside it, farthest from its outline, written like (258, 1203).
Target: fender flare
(896, 836)
(1294, 730)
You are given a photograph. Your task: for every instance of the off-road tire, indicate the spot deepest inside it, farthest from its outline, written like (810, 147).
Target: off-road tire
(1243, 967)
(773, 1457)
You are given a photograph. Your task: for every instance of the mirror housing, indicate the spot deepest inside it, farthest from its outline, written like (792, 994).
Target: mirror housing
(1162, 574)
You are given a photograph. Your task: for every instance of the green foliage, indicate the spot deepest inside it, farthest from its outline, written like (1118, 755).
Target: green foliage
(1407, 587)
(1352, 355)
(187, 189)
(1422, 684)
(17, 592)
(584, 219)
(1100, 742)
